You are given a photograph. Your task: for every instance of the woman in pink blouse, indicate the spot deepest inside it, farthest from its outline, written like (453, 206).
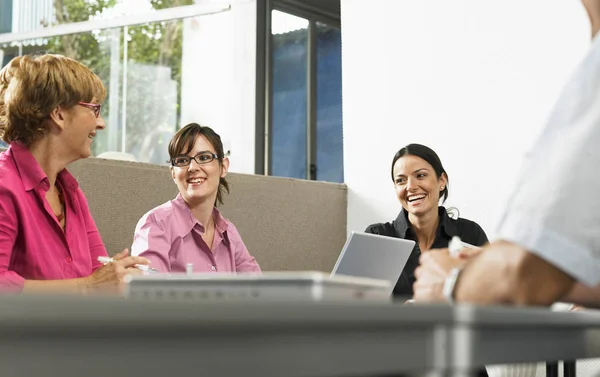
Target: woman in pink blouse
(190, 229)
(49, 115)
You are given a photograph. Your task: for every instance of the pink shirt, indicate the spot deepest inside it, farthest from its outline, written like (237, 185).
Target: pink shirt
(171, 237)
(32, 243)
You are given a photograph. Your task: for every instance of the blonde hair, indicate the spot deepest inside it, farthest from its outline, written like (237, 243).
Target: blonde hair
(31, 87)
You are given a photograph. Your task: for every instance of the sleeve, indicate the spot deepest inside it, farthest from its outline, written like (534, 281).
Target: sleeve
(10, 281)
(97, 248)
(554, 210)
(244, 262)
(479, 238)
(151, 241)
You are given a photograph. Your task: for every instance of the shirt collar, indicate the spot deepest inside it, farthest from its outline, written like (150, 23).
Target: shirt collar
(221, 225)
(447, 225)
(32, 174)
(401, 224)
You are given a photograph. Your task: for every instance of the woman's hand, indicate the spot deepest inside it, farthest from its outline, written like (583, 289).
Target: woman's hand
(109, 278)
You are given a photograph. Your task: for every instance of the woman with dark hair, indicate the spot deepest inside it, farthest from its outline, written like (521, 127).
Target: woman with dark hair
(190, 229)
(421, 183)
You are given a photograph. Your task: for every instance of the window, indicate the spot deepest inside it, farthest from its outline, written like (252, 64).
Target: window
(330, 153)
(141, 68)
(6, 8)
(289, 102)
(304, 101)
(181, 65)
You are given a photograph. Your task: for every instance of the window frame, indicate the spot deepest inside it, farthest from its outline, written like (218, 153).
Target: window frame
(264, 80)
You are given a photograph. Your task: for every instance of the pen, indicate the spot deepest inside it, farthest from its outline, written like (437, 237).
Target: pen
(141, 267)
(455, 246)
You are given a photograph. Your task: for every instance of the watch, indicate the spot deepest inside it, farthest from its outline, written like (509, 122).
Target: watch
(450, 284)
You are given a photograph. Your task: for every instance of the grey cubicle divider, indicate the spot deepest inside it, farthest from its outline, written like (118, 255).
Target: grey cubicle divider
(287, 224)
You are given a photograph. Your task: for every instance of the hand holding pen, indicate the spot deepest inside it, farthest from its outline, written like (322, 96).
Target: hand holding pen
(109, 277)
(141, 267)
(439, 269)
(461, 250)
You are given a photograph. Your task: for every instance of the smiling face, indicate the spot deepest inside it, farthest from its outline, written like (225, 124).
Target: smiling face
(196, 182)
(417, 186)
(78, 126)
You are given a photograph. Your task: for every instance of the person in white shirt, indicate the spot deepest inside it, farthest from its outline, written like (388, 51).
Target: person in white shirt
(548, 246)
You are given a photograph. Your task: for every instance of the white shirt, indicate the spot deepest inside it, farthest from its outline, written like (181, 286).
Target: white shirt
(555, 208)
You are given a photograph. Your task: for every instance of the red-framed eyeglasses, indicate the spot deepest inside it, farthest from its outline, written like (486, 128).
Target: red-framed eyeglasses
(93, 106)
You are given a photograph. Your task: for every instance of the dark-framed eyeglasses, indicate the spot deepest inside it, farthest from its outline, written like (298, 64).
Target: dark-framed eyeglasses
(201, 158)
(93, 106)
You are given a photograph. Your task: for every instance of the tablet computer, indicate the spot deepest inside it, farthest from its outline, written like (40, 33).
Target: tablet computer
(374, 256)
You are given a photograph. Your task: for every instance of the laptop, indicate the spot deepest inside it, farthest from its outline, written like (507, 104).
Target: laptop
(374, 256)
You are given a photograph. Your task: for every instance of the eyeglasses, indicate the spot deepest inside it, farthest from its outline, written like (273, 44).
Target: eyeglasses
(200, 158)
(93, 106)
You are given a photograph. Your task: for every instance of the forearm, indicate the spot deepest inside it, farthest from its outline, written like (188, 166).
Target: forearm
(583, 295)
(593, 10)
(67, 286)
(507, 273)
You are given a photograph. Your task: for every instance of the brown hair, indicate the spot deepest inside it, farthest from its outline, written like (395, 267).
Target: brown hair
(183, 141)
(31, 87)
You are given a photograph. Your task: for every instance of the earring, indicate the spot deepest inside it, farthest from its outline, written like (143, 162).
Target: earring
(442, 188)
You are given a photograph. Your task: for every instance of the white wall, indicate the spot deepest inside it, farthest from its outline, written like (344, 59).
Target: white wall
(218, 78)
(473, 79)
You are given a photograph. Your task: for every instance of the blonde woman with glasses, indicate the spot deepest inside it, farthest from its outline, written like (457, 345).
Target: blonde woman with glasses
(49, 115)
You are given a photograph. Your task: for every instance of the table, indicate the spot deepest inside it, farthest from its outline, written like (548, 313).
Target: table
(69, 336)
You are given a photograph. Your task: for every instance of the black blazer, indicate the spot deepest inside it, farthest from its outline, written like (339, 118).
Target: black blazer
(469, 232)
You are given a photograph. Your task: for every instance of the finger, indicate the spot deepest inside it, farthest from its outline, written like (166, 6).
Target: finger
(424, 293)
(133, 271)
(432, 254)
(425, 258)
(443, 250)
(419, 272)
(121, 255)
(130, 261)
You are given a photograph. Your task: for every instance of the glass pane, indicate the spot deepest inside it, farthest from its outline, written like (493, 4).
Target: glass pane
(330, 156)
(145, 87)
(143, 74)
(152, 92)
(6, 7)
(288, 134)
(30, 15)
(96, 50)
(141, 109)
(8, 51)
(99, 50)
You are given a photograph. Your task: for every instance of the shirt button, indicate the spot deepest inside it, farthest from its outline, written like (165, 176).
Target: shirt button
(69, 259)
(213, 268)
